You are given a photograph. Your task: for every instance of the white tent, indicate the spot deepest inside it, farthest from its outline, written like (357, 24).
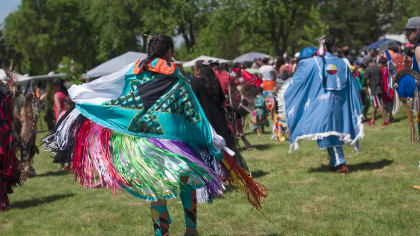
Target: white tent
(115, 64)
(397, 37)
(205, 58)
(21, 79)
(249, 57)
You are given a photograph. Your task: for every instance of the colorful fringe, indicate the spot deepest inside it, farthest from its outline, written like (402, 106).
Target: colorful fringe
(148, 168)
(239, 179)
(9, 164)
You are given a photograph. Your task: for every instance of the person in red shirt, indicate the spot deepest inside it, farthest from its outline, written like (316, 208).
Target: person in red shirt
(224, 77)
(387, 93)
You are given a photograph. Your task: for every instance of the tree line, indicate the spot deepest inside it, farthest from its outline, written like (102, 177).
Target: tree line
(42, 34)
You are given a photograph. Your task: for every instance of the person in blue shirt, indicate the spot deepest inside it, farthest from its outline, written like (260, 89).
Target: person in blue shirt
(412, 32)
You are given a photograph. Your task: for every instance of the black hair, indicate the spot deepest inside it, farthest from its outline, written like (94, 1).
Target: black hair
(394, 47)
(279, 62)
(329, 42)
(61, 86)
(265, 60)
(382, 60)
(157, 48)
(210, 80)
(198, 64)
(224, 67)
(236, 65)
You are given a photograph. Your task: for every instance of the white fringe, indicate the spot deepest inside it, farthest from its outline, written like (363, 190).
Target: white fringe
(59, 139)
(343, 137)
(64, 129)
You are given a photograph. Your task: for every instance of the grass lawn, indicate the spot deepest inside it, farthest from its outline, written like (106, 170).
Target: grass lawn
(305, 198)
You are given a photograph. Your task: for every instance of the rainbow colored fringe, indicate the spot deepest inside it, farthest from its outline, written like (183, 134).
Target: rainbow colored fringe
(148, 168)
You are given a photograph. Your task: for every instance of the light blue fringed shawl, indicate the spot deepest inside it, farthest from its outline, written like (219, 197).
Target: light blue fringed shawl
(323, 104)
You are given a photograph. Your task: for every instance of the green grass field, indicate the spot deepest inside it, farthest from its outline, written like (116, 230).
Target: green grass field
(305, 198)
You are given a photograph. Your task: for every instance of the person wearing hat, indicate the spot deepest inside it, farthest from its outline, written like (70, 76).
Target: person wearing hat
(412, 32)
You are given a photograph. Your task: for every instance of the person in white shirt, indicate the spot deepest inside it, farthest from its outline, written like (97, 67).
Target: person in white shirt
(268, 75)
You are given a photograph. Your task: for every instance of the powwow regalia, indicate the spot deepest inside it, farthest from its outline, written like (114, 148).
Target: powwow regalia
(140, 129)
(323, 104)
(407, 85)
(280, 124)
(9, 164)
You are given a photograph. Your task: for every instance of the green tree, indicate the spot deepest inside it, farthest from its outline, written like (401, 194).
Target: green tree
(72, 69)
(221, 36)
(274, 21)
(117, 26)
(178, 17)
(44, 31)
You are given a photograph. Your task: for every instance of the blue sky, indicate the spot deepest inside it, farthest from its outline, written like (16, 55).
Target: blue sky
(7, 6)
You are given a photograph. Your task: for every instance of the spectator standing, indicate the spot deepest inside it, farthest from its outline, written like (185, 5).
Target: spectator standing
(374, 78)
(268, 75)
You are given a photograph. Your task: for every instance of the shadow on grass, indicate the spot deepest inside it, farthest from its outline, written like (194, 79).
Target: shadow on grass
(36, 202)
(395, 120)
(261, 147)
(54, 173)
(258, 173)
(365, 166)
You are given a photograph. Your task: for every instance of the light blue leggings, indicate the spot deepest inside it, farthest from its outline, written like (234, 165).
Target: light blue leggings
(336, 156)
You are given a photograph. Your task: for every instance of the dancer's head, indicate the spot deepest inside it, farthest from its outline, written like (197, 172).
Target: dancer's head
(327, 43)
(412, 30)
(161, 46)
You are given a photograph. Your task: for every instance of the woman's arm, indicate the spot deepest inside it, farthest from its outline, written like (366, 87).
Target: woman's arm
(57, 102)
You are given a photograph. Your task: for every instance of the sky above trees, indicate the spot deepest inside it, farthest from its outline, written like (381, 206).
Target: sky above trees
(7, 6)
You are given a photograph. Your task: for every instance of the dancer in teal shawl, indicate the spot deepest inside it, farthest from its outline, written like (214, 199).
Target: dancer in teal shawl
(142, 129)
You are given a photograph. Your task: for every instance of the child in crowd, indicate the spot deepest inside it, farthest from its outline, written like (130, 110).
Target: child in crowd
(259, 115)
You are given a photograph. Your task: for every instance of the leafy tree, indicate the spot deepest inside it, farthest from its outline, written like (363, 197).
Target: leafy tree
(275, 21)
(178, 17)
(72, 69)
(44, 31)
(117, 25)
(221, 36)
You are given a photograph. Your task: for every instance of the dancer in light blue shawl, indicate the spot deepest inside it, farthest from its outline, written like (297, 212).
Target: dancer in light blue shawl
(323, 104)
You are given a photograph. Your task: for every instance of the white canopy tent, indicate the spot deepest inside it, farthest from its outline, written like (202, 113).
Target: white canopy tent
(21, 79)
(115, 64)
(397, 37)
(204, 58)
(249, 57)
